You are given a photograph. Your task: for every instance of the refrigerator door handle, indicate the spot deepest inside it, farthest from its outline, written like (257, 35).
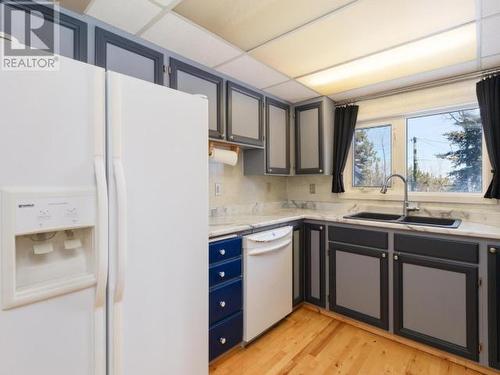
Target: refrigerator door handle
(121, 192)
(102, 242)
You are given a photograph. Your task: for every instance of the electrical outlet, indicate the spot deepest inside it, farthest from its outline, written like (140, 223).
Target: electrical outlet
(312, 188)
(218, 189)
(268, 187)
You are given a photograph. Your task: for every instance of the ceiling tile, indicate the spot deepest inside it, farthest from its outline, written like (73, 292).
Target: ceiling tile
(166, 3)
(490, 7)
(490, 32)
(292, 91)
(251, 71)
(248, 24)
(365, 27)
(130, 15)
(181, 36)
(445, 49)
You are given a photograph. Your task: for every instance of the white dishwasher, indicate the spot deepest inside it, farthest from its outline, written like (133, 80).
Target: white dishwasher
(267, 269)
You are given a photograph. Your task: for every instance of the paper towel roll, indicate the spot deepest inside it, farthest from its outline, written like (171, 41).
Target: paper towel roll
(224, 156)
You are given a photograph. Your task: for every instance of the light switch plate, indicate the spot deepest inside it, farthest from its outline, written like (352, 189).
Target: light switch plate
(218, 189)
(312, 188)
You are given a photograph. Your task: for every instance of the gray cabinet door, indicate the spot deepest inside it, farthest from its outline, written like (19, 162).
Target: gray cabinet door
(315, 264)
(298, 264)
(309, 139)
(192, 80)
(244, 115)
(359, 283)
(277, 137)
(72, 33)
(436, 302)
(124, 56)
(494, 305)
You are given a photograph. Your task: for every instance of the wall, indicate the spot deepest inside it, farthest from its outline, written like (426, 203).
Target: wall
(240, 190)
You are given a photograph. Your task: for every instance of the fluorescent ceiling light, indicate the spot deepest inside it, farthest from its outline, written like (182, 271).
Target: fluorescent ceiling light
(441, 50)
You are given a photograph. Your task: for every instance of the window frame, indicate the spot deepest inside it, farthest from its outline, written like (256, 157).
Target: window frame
(353, 156)
(485, 162)
(399, 164)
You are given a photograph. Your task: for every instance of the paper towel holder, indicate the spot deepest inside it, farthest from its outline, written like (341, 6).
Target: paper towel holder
(214, 144)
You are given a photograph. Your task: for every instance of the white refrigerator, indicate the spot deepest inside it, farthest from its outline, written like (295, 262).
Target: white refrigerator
(103, 213)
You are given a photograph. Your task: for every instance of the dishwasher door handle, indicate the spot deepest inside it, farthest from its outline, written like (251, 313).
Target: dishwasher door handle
(270, 249)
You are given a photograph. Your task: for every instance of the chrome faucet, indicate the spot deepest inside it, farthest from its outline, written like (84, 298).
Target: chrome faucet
(406, 207)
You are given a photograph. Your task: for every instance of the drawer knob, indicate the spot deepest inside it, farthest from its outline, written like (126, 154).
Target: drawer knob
(222, 340)
(222, 304)
(222, 252)
(396, 257)
(493, 250)
(222, 274)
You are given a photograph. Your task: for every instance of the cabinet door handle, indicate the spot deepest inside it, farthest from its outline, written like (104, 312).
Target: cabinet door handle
(222, 252)
(222, 304)
(384, 255)
(493, 250)
(396, 257)
(222, 340)
(222, 274)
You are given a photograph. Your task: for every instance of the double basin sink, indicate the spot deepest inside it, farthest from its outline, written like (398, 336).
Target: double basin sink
(413, 220)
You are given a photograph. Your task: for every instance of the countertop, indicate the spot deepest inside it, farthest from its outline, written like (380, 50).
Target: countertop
(224, 225)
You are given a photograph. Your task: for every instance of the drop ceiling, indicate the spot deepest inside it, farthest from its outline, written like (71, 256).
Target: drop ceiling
(299, 49)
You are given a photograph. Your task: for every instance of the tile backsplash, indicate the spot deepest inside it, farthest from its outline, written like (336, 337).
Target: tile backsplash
(238, 189)
(240, 194)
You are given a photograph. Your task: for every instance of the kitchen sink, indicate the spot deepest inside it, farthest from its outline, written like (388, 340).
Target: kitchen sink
(412, 220)
(431, 221)
(374, 216)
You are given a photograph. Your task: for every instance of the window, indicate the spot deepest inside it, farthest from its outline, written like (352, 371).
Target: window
(445, 152)
(372, 156)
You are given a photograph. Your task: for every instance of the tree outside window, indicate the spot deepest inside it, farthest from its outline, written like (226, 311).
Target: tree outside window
(372, 156)
(445, 152)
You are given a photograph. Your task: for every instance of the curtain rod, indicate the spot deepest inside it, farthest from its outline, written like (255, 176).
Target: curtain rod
(419, 86)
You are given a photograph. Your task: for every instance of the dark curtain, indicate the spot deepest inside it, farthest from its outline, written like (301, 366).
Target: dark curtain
(488, 95)
(345, 122)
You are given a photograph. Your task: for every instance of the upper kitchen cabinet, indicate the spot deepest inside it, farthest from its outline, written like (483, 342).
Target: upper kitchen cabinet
(192, 80)
(313, 136)
(245, 123)
(72, 32)
(124, 56)
(275, 159)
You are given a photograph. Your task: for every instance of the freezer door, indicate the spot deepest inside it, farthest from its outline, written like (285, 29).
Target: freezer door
(51, 139)
(158, 229)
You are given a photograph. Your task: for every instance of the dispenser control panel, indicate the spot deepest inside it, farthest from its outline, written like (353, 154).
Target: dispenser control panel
(54, 212)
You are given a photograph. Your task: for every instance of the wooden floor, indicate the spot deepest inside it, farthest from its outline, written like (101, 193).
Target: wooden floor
(311, 343)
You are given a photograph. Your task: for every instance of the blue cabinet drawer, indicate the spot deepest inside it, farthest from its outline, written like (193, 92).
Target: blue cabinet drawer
(225, 301)
(224, 272)
(225, 249)
(225, 335)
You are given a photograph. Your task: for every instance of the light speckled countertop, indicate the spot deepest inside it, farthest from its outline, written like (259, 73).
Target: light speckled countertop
(224, 225)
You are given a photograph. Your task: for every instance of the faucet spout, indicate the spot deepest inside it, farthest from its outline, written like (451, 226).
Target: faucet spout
(405, 201)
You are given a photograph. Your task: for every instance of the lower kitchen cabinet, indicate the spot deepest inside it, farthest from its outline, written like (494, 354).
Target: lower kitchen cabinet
(315, 264)
(494, 305)
(359, 283)
(298, 264)
(436, 303)
(225, 296)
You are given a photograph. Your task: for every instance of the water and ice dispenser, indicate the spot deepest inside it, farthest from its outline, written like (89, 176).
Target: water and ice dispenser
(47, 244)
